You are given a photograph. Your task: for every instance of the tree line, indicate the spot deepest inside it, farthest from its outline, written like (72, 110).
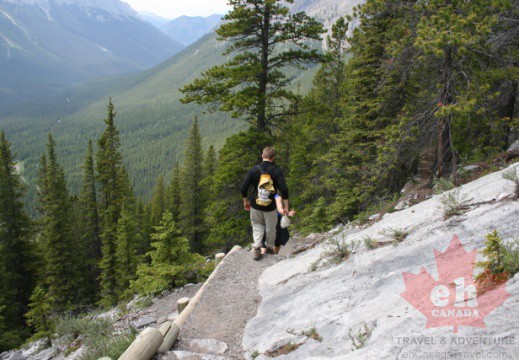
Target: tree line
(415, 89)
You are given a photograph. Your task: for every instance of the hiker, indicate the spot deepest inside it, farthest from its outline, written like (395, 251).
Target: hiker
(266, 180)
(282, 234)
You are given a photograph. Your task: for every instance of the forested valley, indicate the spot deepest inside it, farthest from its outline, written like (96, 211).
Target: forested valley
(416, 90)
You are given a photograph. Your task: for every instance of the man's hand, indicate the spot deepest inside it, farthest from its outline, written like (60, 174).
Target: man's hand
(246, 204)
(286, 206)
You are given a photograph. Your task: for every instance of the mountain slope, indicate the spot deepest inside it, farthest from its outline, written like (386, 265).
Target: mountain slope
(49, 44)
(187, 29)
(355, 309)
(151, 118)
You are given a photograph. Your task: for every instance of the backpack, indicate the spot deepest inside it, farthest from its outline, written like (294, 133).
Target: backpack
(265, 188)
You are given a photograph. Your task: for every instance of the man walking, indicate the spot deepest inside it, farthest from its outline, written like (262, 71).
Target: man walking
(266, 180)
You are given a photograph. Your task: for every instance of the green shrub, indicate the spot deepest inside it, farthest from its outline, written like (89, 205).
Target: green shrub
(112, 347)
(91, 331)
(501, 261)
(453, 204)
(511, 175)
(337, 249)
(442, 184)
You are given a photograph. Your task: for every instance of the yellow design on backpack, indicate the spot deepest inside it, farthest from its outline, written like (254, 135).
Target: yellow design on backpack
(265, 189)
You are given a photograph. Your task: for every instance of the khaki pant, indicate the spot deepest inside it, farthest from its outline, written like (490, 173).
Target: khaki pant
(263, 223)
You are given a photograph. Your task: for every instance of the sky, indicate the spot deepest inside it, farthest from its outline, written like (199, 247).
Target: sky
(174, 8)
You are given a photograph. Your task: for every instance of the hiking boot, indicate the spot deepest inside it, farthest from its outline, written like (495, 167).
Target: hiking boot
(256, 253)
(270, 251)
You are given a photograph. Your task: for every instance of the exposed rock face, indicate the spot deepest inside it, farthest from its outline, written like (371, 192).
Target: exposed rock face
(356, 307)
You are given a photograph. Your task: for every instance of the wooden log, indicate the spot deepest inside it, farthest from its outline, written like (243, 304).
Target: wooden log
(169, 339)
(164, 328)
(145, 346)
(218, 258)
(182, 304)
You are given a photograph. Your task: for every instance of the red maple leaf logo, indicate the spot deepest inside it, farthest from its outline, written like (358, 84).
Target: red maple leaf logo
(453, 299)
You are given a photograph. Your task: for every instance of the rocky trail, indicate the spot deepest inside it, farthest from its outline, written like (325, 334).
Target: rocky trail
(214, 330)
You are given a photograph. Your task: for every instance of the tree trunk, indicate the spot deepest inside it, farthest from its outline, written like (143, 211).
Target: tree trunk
(444, 151)
(263, 78)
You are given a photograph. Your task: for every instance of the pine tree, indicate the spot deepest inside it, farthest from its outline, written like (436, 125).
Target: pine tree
(39, 317)
(173, 194)
(158, 202)
(61, 275)
(267, 39)
(308, 135)
(210, 162)
(109, 170)
(89, 224)
(128, 241)
(228, 223)
(192, 202)
(145, 229)
(171, 260)
(448, 34)
(15, 258)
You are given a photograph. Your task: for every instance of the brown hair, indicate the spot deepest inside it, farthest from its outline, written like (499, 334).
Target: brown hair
(268, 153)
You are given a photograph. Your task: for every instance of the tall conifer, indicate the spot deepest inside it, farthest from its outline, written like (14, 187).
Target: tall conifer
(89, 224)
(109, 170)
(15, 259)
(61, 275)
(192, 202)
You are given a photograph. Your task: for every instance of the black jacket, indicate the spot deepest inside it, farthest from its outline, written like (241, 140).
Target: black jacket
(252, 179)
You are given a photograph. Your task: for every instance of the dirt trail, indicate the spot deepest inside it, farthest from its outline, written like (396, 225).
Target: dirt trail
(229, 301)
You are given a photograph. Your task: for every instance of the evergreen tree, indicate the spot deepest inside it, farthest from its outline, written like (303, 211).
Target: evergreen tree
(192, 202)
(267, 38)
(209, 162)
(308, 135)
(128, 241)
(228, 223)
(449, 37)
(173, 194)
(89, 226)
(171, 260)
(109, 170)
(158, 202)
(145, 229)
(15, 258)
(39, 317)
(61, 275)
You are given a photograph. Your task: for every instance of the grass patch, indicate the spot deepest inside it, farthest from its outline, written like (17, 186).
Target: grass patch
(283, 350)
(112, 347)
(396, 235)
(372, 243)
(338, 249)
(310, 333)
(96, 335)
(361, 337)
(453, 204)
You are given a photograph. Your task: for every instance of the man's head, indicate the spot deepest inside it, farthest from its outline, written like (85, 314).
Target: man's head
(268, 154)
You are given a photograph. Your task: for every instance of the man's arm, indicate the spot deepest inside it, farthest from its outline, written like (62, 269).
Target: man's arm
(283, 189)
(244, 188)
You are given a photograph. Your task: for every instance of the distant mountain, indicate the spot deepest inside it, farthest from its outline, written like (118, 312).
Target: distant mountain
(51, 44)
(186, 29)
(153, 19)
(152, 121)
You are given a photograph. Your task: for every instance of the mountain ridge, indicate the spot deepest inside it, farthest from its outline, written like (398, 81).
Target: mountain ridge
(50, 44)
